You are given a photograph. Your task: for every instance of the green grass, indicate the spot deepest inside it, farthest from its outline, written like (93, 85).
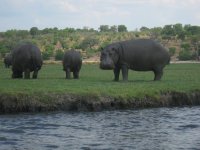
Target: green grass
(93, 81)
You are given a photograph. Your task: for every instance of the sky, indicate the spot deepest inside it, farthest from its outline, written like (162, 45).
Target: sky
(24, 14)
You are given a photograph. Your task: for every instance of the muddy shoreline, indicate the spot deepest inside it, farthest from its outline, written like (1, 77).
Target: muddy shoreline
(69, 102)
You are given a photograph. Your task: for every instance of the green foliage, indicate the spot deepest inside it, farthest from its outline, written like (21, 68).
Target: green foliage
(46, 55)
(113, 28)
(144, 29)
(186, 46)
(88, 43)
(59, 55)
(34, 31)
(185, 55)
(104, 28)
(172, 51)
(3, 49)
(122, 28)
(192, 30)
(182, 35)
(168, 30)
(90, 40)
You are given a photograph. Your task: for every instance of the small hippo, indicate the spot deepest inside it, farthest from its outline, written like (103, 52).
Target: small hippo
(138, 55)
(72, 62)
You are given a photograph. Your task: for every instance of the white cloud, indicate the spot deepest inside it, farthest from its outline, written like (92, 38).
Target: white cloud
(65, 5)
(93, 13)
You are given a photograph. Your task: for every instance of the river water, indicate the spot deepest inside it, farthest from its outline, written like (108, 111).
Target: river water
(145, 129)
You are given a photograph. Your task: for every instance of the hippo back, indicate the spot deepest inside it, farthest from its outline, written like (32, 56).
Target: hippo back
(143, 54)
(27, 56)
(72, 59)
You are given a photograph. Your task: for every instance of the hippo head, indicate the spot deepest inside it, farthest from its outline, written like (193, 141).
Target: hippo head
(109, 57)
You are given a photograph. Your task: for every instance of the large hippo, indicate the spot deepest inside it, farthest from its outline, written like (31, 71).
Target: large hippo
(8, 60)
(72, 62)
(139, 55)
(26, 58)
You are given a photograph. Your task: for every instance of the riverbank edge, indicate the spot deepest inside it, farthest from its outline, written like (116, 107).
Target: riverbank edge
(70, 102)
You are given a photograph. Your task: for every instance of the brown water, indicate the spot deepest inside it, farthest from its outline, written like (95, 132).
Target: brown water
(147, 129)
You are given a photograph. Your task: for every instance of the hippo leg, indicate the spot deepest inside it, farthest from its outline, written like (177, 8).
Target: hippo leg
(17, 74)
(76, 74)
(125, 72)
(68, 73)
(35, 73)
(116, 73)
(158, 72)
(27, 74)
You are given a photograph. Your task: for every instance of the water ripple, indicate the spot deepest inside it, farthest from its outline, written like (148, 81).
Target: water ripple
(160, 128)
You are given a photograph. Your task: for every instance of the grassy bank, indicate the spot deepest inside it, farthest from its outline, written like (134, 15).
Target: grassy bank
(177, 77)
(95, 83)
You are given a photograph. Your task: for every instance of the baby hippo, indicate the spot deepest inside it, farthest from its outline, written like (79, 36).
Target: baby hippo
(72, 62)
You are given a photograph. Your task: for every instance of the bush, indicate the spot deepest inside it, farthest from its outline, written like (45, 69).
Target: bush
(88, 43)
(59, 55)
(186, 46)
(185, 55)
(46, 55)
(172, 51)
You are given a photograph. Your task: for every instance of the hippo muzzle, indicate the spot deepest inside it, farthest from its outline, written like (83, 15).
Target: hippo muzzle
(106, 66)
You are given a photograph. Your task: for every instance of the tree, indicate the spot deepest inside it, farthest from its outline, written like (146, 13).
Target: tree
(113, 28)
(168, 30)
(104, 28)
(155, 32)
(178, 28)
(34, 31)
(88, 43)
(144, 29)
(182, 35)
(122, 28)
(192, 30)
(45, 31)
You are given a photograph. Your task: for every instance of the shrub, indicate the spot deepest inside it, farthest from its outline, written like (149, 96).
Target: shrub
(186, 46)
(59, 55)
(46, 55)
(185, 55)
(172, 51)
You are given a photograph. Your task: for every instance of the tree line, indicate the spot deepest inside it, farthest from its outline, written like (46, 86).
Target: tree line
(53, 41)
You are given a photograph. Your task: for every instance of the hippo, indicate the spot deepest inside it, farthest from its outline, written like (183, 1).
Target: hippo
(26, 58)
(138, 55)
(72, 62)
(8, 60)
